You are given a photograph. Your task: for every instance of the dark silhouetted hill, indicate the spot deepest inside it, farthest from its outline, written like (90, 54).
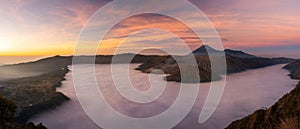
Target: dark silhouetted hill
(294, 68)
(7, 111)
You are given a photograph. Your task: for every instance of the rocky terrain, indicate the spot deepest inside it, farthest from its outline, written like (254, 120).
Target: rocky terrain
(188, 73)
(284, 114)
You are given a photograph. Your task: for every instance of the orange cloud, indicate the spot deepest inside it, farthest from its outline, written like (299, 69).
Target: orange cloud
(40, 27)
(145, 21)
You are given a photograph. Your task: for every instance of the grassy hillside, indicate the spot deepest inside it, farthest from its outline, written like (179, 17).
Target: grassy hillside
(284, 114)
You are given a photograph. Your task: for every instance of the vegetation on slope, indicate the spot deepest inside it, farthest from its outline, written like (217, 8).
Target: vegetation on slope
(284, 114)
(7, 111)
(34, 94)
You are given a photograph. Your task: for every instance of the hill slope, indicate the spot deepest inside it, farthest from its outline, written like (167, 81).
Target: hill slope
(284, 114)
(294, 68)
(33, 95)
(56, 63)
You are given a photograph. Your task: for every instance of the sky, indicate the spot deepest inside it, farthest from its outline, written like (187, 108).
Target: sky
(51, 27)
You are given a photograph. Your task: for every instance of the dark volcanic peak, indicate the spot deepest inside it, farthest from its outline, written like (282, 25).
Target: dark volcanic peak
(204, 49)
(240, 54)
(236, 53)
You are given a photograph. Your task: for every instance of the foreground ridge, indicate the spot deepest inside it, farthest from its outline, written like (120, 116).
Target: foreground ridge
(284, 114)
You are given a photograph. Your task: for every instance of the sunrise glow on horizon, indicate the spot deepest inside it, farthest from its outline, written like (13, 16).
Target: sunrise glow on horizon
(42, 28)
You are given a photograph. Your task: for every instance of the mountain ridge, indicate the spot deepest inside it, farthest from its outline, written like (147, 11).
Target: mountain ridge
(236, 61)
(205, 49)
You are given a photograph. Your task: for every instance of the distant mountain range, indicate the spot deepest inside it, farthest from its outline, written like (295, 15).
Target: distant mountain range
(34, 74)
(56, 63)
(236, 61)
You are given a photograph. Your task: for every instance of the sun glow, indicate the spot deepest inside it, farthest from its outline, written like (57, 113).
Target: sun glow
(4, 45)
